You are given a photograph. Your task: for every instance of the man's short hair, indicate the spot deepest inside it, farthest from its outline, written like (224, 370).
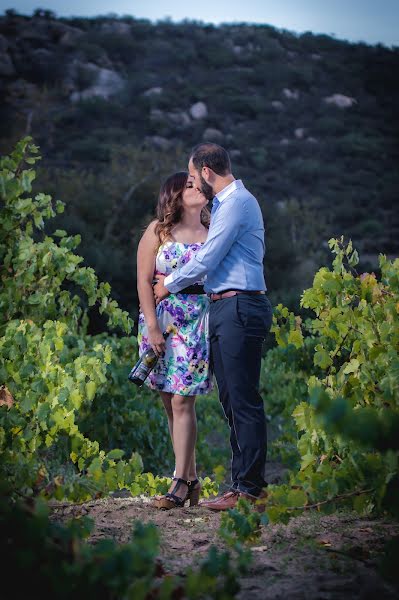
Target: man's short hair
(213, 156)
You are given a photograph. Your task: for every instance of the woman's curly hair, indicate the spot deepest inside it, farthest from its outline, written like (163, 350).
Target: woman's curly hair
(170, 206)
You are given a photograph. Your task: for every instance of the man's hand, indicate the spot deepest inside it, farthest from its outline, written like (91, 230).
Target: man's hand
(160, 291)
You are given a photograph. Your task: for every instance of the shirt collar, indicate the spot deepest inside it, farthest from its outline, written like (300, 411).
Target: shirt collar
(229, 189)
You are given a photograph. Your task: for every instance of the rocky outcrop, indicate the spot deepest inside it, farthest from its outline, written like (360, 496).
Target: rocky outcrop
(47, 31)
(340, 100)
(154, 91)
(299, 133)
(93, 81)
(199, 110)
(290, 94)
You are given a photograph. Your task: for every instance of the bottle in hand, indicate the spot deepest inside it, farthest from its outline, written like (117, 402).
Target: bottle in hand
(145, 364)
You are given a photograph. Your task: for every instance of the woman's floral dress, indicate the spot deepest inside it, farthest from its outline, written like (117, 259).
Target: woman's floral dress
(184, 369)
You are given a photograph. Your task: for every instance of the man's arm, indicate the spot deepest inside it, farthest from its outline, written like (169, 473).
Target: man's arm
(224, 230)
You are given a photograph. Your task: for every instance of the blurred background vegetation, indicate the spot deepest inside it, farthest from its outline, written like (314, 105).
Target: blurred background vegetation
(115, 105)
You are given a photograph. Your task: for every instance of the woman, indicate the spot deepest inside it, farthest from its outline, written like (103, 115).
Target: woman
(182, 371)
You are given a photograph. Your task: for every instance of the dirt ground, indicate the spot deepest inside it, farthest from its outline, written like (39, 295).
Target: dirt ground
(323, 557)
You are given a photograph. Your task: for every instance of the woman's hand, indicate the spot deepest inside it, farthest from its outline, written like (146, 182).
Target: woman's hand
(156, 339)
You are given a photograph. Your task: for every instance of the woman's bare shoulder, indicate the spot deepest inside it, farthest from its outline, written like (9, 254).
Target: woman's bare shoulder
(150, 230)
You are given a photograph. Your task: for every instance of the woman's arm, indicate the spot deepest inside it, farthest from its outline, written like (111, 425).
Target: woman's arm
(146, 254)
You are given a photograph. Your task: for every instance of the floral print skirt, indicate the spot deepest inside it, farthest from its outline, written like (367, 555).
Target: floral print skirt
(185, 368)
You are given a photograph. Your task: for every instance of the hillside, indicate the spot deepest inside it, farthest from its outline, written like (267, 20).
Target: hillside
(116, 104)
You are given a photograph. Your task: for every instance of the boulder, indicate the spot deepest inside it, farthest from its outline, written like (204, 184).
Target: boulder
(213, 135)
(284, 142)
(290, 94)
(199, 110)
(103, 82)
(299, 132)
(340, 100)
(238, 50)
(154, 91)
(277, 104)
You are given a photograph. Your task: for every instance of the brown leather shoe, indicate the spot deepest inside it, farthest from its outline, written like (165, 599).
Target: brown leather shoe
(230, 499)
(227, 496)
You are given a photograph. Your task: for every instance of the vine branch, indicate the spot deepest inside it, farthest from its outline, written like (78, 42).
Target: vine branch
(339, 497)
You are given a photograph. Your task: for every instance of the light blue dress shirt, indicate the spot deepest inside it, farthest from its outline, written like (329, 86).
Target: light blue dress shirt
(232, 256)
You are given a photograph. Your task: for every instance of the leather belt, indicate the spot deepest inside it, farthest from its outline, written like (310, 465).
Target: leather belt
(231, 293)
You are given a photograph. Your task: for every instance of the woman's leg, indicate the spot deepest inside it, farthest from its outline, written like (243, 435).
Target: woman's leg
(184, 439)
(167, 402)
(193, 467)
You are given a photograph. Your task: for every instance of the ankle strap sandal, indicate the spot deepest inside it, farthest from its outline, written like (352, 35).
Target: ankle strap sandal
(172, 495)
(171, 500)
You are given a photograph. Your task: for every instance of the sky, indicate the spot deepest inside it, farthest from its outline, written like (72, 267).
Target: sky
(369, 21)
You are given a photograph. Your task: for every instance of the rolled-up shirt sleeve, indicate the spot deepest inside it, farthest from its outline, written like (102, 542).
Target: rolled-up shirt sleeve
(224, 230)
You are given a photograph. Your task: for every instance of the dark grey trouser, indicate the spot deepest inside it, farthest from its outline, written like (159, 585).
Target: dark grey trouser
(238, 327)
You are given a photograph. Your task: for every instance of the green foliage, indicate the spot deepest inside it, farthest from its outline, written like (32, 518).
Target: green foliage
(283, 385)
(122, 417)
(216, 578)
(285, 501)
(50, 369)
(35, 273)
(71, 425)
(55, 561)
(122, 192)
(241, 524)
(218, 574)
(348, 425)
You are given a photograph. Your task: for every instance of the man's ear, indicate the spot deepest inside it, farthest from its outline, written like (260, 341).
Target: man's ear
(207, 173)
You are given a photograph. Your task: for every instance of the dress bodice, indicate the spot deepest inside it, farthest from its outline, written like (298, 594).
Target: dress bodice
(172, 255)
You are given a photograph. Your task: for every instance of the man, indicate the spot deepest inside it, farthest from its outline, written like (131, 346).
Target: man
(240, 314)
